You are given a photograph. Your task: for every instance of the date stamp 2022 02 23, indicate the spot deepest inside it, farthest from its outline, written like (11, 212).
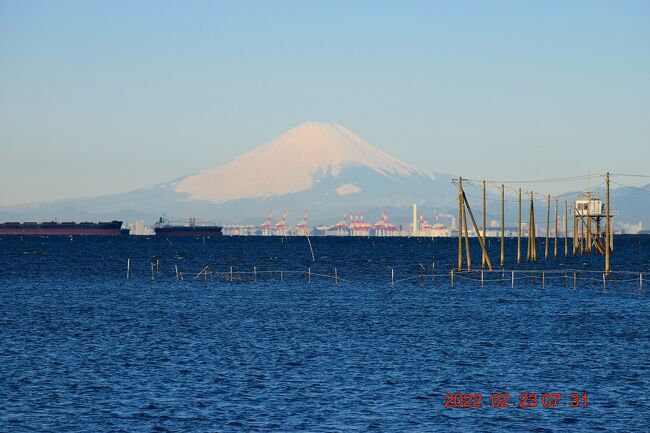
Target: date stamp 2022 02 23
(526, 400)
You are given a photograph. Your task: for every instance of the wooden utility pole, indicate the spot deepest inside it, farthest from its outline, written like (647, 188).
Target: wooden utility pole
(519, 231)
(503, 225)
(483, 260)
(611, 236)
(481, 240)
(608, 226)
(588, 238)
(467, 251)
(548, 224)
(555, 231)
(529, 254)
(460, 224)
(533, 246)
(582, 234)
(575, 229)
(534, 234)
(566, 228)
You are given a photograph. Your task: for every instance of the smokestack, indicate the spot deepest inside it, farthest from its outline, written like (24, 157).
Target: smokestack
(414, 228)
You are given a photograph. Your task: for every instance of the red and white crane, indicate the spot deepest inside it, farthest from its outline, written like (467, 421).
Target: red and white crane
(267, 226)
(302, 228)
(383, 227)
(281, 227)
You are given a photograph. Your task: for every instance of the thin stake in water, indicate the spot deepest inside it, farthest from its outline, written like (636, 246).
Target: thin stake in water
(313, 258)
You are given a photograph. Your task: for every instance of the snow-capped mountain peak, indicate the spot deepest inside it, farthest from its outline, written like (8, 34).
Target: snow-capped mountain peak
(292, 163)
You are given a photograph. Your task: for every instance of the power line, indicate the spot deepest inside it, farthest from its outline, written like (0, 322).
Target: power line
(523, 191)
(630, 175)
(582, 190)
(542, 197)
(559, 179)
(629, 186)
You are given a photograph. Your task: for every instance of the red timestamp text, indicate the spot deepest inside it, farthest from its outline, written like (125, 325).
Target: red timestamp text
(525, 400)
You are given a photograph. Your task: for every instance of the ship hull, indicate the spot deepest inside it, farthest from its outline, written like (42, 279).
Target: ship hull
(188, 231)
(61, 229)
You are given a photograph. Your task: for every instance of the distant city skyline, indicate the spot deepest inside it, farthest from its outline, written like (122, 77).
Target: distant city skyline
(106, 97)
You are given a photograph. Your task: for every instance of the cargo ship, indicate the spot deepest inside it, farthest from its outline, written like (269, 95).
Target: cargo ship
(111, 228)
(191, 228)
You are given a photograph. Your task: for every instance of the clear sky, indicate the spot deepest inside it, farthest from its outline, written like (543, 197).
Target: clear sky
(100, 97)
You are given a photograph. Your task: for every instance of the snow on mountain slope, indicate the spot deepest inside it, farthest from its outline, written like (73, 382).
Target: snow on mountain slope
(292, 163)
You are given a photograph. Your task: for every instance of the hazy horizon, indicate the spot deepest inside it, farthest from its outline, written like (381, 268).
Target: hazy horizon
(101, 98)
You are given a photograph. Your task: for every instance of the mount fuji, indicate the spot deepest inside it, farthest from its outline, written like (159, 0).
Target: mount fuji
(320, 167)
(294, 162)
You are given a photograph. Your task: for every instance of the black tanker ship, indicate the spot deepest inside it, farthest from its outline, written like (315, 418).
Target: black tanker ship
(111, 228)
(191, 228)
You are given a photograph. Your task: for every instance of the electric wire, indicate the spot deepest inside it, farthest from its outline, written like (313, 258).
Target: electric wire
(630, 186)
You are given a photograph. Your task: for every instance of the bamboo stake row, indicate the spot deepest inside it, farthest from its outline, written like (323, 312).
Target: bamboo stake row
(565, 275)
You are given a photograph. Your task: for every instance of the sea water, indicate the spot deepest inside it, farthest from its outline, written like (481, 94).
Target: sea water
(83, 348)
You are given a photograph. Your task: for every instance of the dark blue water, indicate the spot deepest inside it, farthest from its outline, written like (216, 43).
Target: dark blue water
(84, 349)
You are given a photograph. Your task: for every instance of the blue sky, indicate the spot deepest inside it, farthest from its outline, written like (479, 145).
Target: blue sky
(102, 97)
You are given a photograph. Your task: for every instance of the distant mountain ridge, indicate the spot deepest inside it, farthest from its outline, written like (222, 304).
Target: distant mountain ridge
(323, 168)
(320, 167)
